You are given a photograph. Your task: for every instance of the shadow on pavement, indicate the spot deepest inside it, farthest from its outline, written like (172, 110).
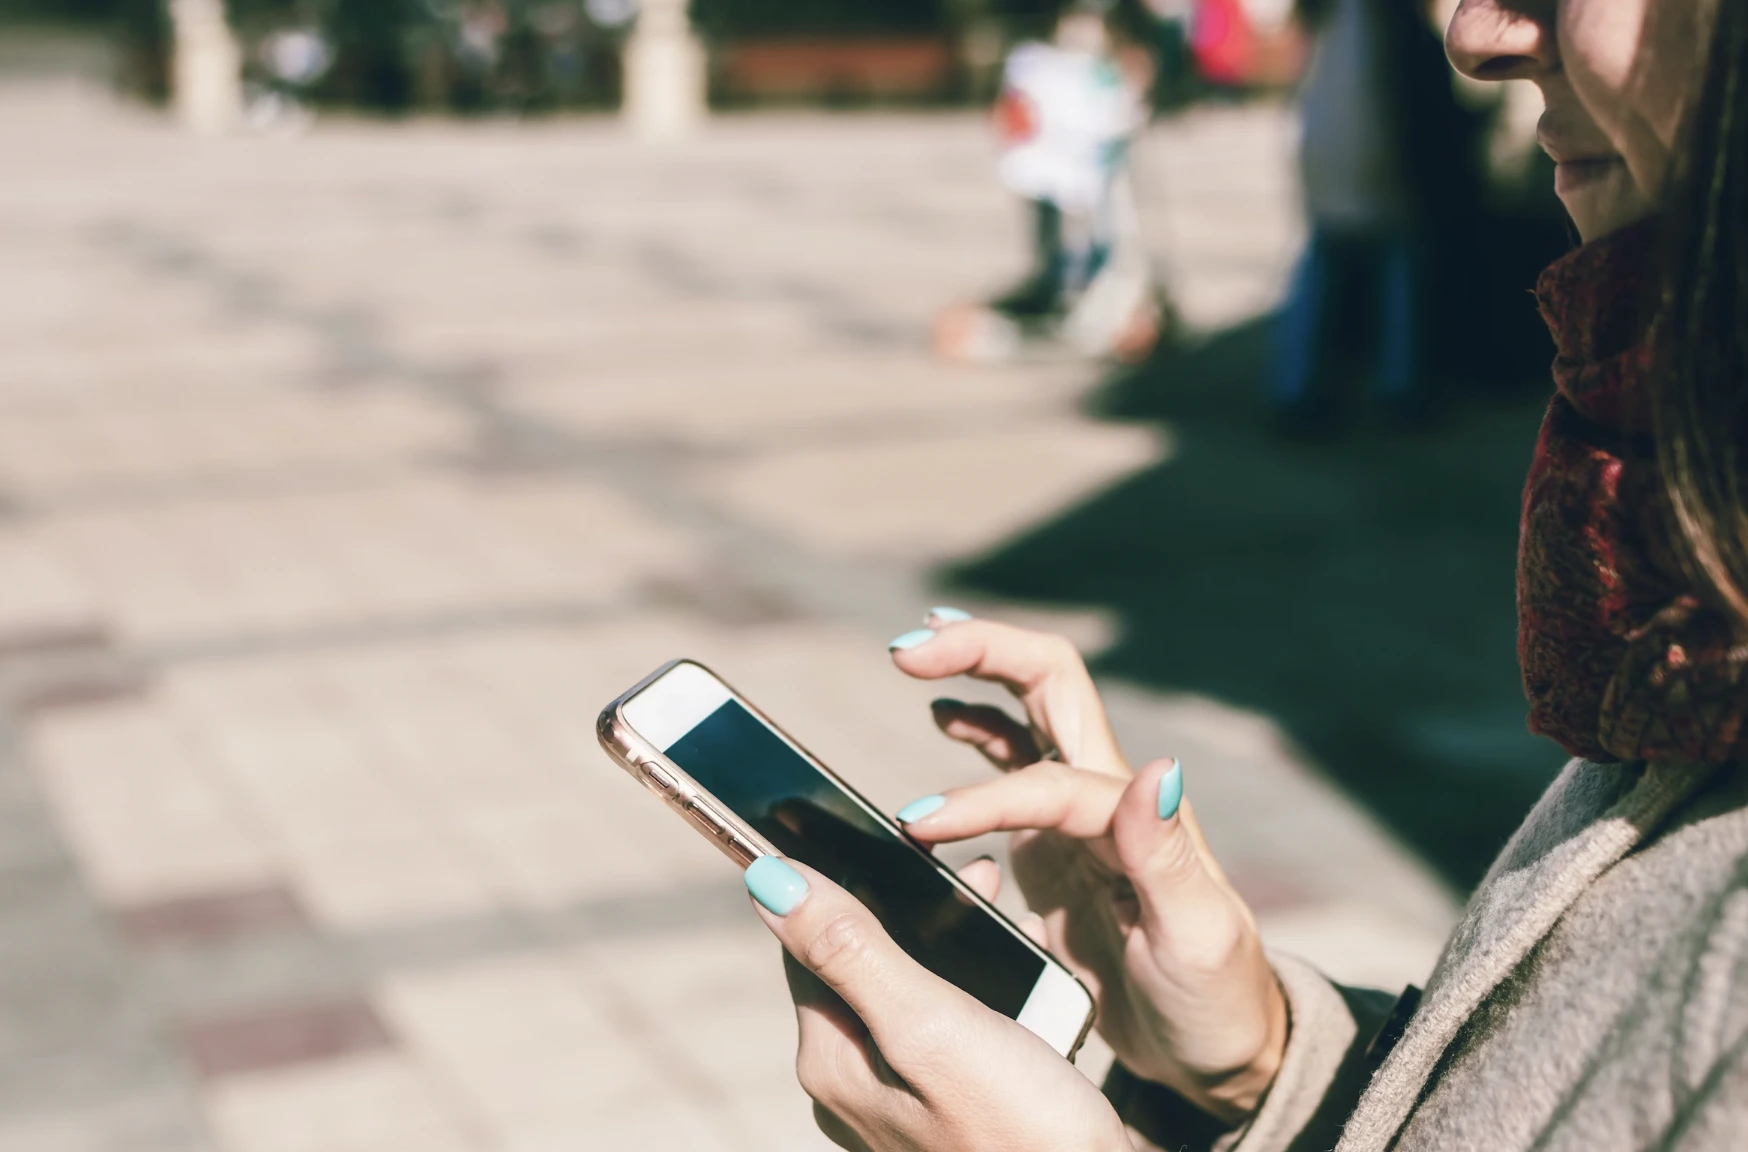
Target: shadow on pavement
(1359, 591)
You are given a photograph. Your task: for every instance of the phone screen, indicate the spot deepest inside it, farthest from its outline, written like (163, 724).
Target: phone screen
(753, 771)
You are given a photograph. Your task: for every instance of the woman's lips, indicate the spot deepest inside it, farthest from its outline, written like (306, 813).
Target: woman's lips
(1580, 158)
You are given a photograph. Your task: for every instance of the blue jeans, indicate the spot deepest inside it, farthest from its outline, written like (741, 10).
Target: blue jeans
(1337, 271)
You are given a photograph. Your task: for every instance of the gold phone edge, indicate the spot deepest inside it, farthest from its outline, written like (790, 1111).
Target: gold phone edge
(635, 755)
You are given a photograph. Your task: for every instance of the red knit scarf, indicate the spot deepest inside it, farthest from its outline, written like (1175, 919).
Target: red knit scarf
(1620, 660)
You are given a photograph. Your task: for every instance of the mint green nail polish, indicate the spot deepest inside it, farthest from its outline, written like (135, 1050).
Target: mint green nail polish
(917, 809)
(1171, 792)
(912, 640)
(775, 885)
(950, 615)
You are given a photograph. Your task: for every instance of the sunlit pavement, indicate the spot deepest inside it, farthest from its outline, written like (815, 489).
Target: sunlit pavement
(342, 479)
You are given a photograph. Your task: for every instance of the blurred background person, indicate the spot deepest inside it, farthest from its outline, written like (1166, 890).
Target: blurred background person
(565, 62)
(1391, 177)
(478, 45)
(1066, 117)
(289, 61)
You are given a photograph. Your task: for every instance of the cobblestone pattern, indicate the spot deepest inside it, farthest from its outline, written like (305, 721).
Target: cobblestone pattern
(343, 479)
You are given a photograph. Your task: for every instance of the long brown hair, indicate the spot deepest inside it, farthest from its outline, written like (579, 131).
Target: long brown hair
(1700, 399)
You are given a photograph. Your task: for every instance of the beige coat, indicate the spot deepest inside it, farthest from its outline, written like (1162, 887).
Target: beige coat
(1594, 997)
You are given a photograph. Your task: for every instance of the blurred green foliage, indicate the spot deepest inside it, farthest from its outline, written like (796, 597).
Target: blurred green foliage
(60, 11)
(734, 19)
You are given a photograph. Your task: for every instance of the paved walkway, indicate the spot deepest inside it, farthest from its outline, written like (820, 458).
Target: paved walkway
(343, 479)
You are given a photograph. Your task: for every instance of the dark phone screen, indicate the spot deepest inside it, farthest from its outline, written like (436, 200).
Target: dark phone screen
(797, 808)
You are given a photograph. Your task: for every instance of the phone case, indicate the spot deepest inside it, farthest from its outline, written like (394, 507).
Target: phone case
(734, 837)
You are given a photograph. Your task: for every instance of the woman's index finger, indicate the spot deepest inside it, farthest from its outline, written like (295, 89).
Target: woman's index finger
(1016, 658)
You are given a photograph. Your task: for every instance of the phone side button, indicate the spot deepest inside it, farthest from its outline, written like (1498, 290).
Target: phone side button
(658, 779)
(707, 820)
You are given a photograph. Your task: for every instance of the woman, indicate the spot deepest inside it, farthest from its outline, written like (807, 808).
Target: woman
(1595, 994)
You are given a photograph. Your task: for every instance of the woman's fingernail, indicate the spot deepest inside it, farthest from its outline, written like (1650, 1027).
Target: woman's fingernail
(1171, 792)
(917, 809)
(775, 885)
(911, 640)
(949, 615)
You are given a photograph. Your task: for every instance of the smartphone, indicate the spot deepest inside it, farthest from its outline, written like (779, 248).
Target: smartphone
(741, 781)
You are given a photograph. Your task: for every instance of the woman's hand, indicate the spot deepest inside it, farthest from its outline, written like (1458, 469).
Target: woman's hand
(897, 1059)
(1115, 864)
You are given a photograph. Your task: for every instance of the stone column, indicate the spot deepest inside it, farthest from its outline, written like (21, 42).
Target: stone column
(664, 74)
(206, 77)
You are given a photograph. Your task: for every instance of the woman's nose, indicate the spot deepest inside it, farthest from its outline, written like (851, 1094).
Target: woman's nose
(1503, 39)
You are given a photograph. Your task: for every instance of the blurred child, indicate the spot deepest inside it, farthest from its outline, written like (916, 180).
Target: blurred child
(1066, 117)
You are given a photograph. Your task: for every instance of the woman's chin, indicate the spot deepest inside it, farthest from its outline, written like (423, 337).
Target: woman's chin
(1601, 196)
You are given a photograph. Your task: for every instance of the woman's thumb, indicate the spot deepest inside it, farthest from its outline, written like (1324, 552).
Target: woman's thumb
(1175, 884)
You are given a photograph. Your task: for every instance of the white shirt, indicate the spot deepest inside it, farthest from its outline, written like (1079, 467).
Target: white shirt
(1084, 115)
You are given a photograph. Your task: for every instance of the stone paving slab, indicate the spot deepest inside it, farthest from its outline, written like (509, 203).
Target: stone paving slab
(977, 487)
(106, 448)
(789, 399)
(182, 570)
(342, 479)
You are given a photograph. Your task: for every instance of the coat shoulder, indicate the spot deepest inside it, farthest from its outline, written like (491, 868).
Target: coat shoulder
(1578, 797)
